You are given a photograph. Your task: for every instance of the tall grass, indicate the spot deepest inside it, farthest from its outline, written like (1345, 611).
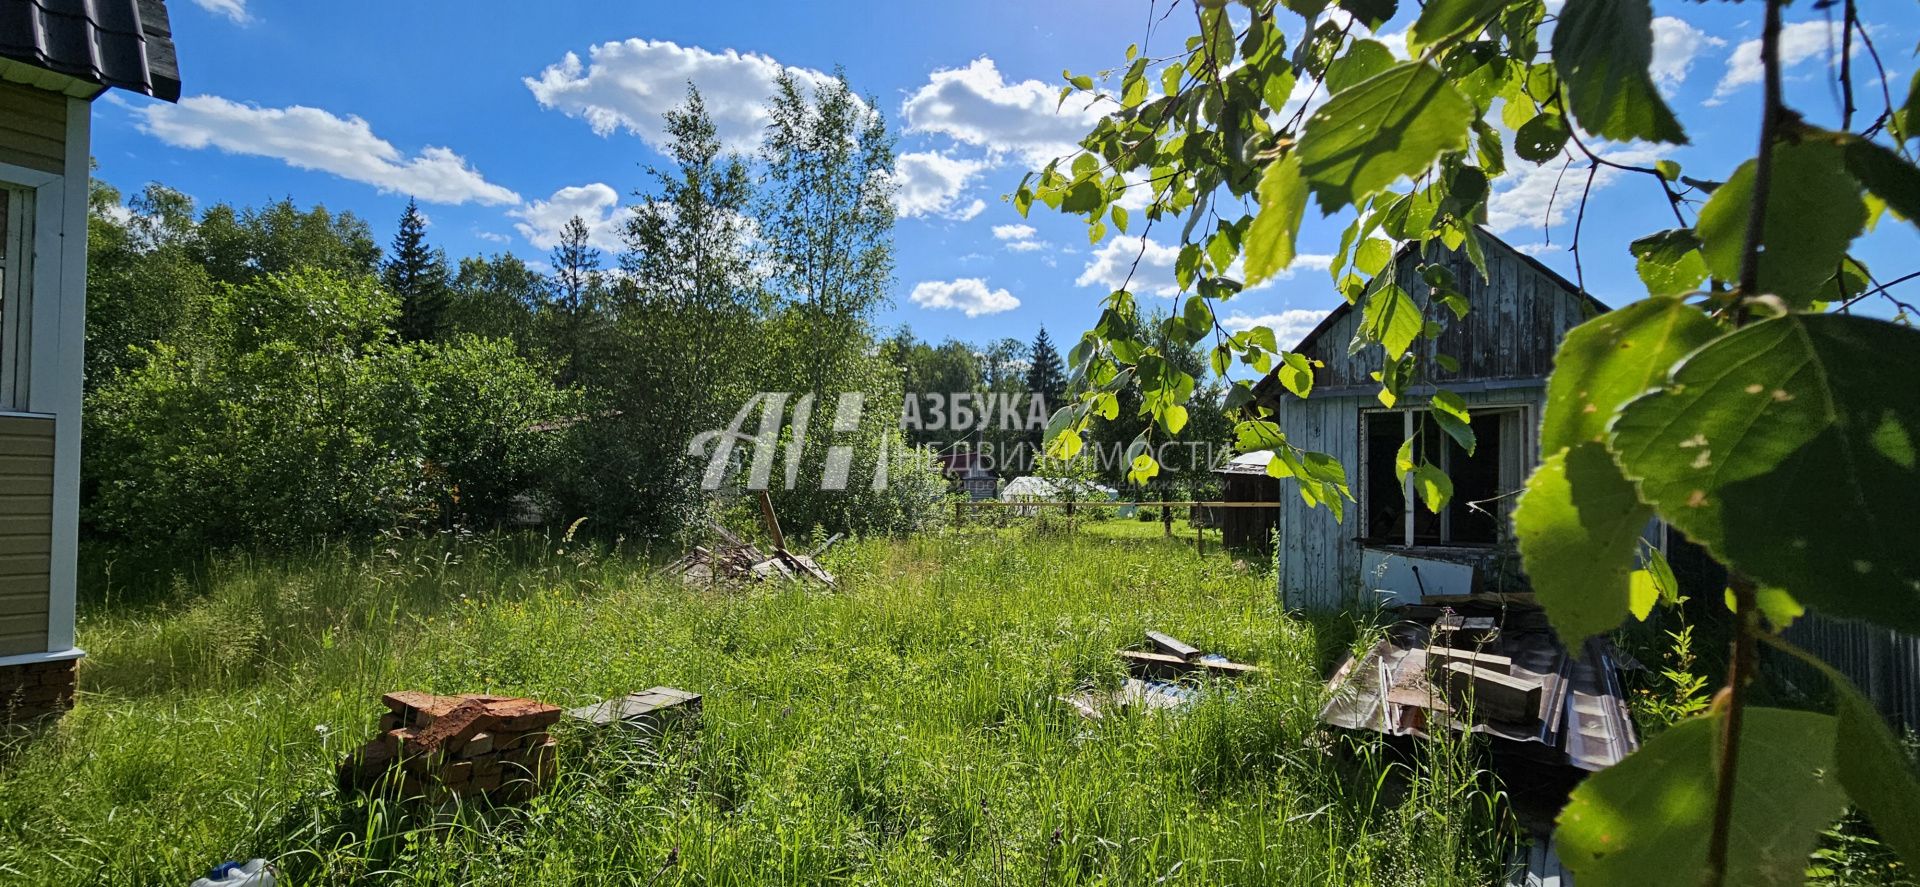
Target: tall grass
(902, 730)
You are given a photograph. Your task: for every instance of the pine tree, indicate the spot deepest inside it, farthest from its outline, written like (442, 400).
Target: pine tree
(417, 275)
(1046, 375)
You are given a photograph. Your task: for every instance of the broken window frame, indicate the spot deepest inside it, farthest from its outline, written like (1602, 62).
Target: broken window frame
(1517, 443)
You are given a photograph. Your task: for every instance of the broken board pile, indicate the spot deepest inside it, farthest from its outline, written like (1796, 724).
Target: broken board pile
(1159, 678)
(442, 747)
(1493, 669)
(735, 560)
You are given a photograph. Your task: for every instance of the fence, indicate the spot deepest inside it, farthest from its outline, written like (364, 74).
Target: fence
(1883, 663)
(1070, 505)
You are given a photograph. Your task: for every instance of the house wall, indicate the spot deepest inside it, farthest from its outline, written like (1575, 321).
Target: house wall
(44, 140)
(26, 532)
(1505, 347)
(33, 127)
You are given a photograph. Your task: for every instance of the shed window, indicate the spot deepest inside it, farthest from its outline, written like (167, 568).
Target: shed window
(1483, 483)
(16, 294)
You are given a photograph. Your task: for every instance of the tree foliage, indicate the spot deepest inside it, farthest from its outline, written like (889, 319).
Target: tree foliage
(1746, 401)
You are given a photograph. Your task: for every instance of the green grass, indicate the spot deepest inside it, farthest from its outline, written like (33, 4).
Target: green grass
(903, 730)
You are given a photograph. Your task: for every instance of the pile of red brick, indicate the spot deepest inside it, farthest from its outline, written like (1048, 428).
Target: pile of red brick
(442, 747)
(36, 690)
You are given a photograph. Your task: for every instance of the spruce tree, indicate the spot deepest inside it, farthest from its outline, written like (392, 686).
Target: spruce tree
(1046, 375)
(576, 288)
(417, 275)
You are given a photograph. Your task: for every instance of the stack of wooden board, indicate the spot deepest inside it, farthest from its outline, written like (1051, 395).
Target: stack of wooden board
(650, 711)
(442, 747)
(1159, 678)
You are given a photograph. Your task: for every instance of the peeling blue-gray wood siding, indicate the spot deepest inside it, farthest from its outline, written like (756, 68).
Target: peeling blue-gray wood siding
(1505, 347)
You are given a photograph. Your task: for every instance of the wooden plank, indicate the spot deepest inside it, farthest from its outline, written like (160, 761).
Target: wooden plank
(26, 524)
(1172, 646)
(1154, 665)
(24, 604)
(24, 642)
(1491, 695)
(27, 484)
(13, 464)
(30, 543)
(23, 565)
(1440, 657)
(24, 504)
(29, 584)
(27, 446)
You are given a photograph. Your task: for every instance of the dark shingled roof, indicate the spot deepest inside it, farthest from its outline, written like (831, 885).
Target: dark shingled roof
(123, 43)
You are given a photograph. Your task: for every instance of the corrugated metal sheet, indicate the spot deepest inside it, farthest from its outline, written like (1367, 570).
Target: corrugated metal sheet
(123, 43)
(1883, 663)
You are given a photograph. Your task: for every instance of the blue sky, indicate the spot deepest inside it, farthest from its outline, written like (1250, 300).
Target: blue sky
(504, 119)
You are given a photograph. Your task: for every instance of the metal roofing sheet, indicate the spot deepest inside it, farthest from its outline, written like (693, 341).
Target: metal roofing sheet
(123, 43)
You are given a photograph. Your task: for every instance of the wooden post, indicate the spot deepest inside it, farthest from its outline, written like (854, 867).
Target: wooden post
(1166, 520)
(957, 511)
(1199, 539)
(773, 521)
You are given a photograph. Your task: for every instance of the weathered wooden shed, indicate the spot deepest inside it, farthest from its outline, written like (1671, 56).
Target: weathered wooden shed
(1387, 542)
(1245, 479)
(56, 57)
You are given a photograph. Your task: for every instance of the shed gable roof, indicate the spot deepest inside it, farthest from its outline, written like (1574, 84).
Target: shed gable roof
(1551, 305)
(111, 43)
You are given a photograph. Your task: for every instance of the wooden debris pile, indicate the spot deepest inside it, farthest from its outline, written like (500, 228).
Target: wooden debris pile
(1158, 679)
(444, 747)
(734, 559)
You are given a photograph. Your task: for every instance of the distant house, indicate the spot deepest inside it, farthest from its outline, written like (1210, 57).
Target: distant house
(965, 470)
(1389, 544)
(56, 57)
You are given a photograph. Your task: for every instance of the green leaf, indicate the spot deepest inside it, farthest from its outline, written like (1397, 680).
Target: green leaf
(1669, 262)
(1436, 489)
(1283, 201)
(1392, 320)
(1603, 49)
(1174, 417)
(1541, 139)
(1450, 412)
(1778, 606)
(1887, 175)
(1788, 448)
(1120, 218)
(1444, 18)
(1363, 59)
(1296, 373)
(1578, 525)
(1871, 763)
(1647, 819)
(1814, 211)
(1392, 125)
(1372, 255)
(1612, 358)
(1664, 582)
(1403, 460)
(1643, 591)
(1372, 13)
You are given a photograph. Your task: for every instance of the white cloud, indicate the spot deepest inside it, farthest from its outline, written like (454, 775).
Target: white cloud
(1019, 238)
(1110, 265)
(596, 204)
(1149, 262)
(631, 85)
(311, 138)
(493, 237)
(234, 10)
(1289, 326)
(970, 295)
(1675, 43)
(1798, 42)
(1536, 249)
(975, 105)
(1541, 196)
(931, 183)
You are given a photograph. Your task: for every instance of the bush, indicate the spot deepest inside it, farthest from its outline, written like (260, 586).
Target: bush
(290, 413)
